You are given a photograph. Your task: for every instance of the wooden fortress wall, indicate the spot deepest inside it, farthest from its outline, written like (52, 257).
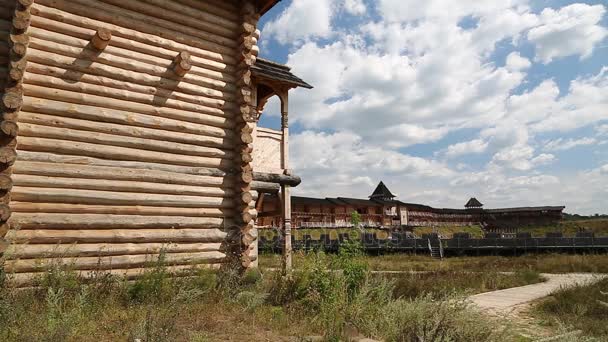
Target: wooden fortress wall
(118, 155)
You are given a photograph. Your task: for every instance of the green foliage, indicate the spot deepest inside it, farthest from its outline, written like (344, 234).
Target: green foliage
(152, 285)
(355, 218)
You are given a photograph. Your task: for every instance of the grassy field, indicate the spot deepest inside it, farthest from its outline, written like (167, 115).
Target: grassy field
(222, 305)
(546, 263)
(448, 231)
(570, 227)
(581, 307)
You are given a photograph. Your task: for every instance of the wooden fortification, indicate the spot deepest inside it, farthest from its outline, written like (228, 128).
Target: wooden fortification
(128, 131)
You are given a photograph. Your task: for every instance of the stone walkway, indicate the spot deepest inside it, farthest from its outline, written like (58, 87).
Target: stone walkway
(504, 301)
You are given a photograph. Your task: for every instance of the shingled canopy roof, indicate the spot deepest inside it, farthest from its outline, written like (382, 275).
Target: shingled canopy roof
(382, 192)
(473, 203)
(277, 72)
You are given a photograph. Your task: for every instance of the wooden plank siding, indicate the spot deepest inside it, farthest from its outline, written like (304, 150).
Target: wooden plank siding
(117, 153)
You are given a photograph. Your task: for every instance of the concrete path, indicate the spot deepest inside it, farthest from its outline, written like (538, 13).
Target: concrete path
(504, 301)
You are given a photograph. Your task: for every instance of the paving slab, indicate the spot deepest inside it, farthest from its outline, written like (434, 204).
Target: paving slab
(503, 301)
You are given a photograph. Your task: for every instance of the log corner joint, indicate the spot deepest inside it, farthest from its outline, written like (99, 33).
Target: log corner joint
(11, 105)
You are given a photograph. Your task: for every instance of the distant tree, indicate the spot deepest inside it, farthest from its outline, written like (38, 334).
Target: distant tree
(355, 218)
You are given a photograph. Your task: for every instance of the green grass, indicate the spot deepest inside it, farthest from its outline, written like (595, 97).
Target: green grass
(544, 263)
(580, 307)
(204, 305)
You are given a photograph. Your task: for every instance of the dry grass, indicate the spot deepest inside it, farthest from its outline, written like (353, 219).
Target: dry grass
(581, 307)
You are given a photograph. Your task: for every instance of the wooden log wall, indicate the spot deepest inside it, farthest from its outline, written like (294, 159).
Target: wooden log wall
(14, 22)
(135, 132)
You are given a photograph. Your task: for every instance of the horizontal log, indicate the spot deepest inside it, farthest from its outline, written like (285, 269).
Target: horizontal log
(72, 80)
(119, 186)
(88, 112)
(219, 30)
(277, 178)
(119, 261)
(174, 96)
(117, 153)
(48, 131)
(208, 16)
(265, 187)
(5, 25)
(138, 30)
(115, 236)
(77, 37)
(101, 221)
(100, 61)
(27, 207)
(30, 279)
(122, 130)
(100, 101)
(126, 44)
(120, 174)
(52, 195)
(83, 160)
(216, 37)
(105, 249)
(222, 9)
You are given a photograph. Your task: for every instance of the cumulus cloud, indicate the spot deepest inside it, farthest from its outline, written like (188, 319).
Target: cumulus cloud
(355, 7)
(516, 62)
(412, 75)
(602, 129)
(561, 144)
(300, 21)
(571, 30)
(468, 147)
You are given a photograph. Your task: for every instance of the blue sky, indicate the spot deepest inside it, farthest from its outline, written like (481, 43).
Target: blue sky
(503, 100)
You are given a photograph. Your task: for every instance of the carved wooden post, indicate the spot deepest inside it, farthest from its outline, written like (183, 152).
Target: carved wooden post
(285, 189)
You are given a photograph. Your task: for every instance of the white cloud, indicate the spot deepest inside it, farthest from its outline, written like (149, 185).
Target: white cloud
(414, 76)
(302, 20)
(602, 129)
(355, 7)
(571, 30)
(516, 62)
(329, 163)
(561, 144)
(475, 146)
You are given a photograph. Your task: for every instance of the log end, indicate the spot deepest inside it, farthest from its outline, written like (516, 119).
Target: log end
(8, 156)
(5, 212)
(9, 128)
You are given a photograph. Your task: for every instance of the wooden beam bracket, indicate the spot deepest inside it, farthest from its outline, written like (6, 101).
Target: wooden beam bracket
(182, 64)
(101, 39)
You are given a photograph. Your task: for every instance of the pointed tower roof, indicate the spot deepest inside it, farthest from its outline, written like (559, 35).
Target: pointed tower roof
(473, 203)
(382, 193)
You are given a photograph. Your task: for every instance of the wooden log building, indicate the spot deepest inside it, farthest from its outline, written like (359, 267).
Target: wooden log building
(382, 210)
(128, 127)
